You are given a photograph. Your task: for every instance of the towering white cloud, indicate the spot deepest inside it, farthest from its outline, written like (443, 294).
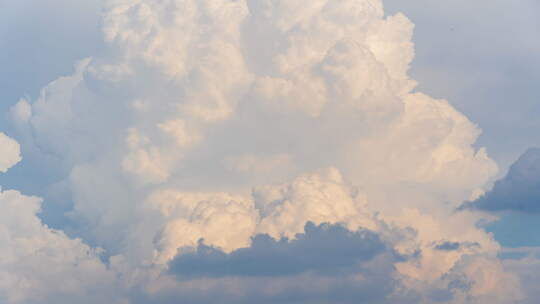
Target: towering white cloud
(221, 120)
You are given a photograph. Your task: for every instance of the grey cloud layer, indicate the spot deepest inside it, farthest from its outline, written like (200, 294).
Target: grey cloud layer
(518, 191)
(327, 261)
(327, 249)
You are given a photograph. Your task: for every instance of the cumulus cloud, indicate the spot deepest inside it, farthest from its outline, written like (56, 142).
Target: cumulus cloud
(518, 191)
(223, 120)
(43, 265)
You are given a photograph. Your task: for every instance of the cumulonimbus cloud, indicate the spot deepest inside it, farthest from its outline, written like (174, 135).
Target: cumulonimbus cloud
(222, 120)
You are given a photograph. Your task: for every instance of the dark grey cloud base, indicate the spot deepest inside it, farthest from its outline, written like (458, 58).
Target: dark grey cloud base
(518, 191)
(324, 249)
(326, 264)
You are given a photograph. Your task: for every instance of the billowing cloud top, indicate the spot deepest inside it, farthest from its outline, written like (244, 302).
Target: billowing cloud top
(225, 151)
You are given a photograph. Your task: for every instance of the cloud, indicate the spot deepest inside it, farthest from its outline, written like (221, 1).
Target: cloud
(323, 263)
(518, 191)
(528, 270)
(223, 120)
(10, 152)
(34, 45)
(470, 59)
(321, 249)
(43, 265)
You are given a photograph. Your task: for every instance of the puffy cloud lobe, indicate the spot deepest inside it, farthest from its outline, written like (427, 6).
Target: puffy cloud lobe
(442, 158)
(10, 152)
(189, 217)
(518, 191)
(317, 197)
(42, 265)
(489, 275)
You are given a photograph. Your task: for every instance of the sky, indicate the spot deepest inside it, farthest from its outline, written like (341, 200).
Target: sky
(269, 151)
